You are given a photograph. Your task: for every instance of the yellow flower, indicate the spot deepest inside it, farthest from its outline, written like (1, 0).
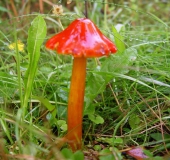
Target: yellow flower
(57, 10)
(19, 44)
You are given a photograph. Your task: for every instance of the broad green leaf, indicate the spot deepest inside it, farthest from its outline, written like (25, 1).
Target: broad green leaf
(36, 35)
(97, 81)
(95, 85)
(96, 118)
(118, 40)
(119, 62)
(158, 136)
(62, 93)
(89, 106)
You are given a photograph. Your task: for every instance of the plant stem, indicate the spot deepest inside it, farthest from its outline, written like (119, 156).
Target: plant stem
(41, 6)
(18, 69)
(105, 14)
(86, 8)
(75, 103)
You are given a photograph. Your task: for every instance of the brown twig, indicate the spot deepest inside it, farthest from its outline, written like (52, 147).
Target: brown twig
(41, 6)
(14, 8)
(9, 13)
(126, 135)
(161, 122)
(114, 95)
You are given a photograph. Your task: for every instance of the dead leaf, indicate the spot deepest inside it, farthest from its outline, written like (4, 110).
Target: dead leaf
(137, 153)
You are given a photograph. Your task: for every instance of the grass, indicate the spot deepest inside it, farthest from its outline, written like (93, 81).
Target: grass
(127, 94)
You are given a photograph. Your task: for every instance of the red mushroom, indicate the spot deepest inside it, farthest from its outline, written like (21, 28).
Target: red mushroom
(83, 40)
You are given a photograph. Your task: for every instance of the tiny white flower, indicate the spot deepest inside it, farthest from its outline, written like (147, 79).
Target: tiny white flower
(58, 10)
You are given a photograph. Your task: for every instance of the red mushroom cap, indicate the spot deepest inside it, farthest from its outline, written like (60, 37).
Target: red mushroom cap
(81, 38)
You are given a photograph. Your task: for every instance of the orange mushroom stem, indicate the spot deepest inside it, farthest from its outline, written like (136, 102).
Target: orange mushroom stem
(82, 39)
(75, 103)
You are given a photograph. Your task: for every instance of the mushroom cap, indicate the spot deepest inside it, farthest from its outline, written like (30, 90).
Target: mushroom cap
(81, 39)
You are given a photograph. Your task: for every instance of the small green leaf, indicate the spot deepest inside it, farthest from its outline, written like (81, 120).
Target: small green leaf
(96, 118)
(106, 154)
(3, 9)
(118, 40)
(148, 153)
(78, 155)
(118, 140)
(134, 121)
(62, 124)
(67, 153)
(111, 140)
(63, 128)
(97, 148)
(48, 105)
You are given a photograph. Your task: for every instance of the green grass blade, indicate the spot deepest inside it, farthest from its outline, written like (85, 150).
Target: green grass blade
(6, 129)
(8, 80)
(158, 19)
